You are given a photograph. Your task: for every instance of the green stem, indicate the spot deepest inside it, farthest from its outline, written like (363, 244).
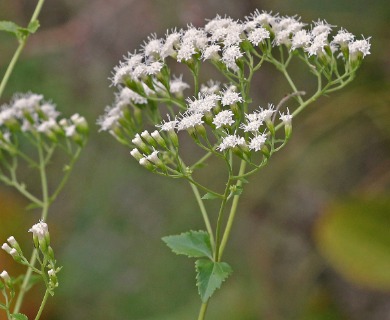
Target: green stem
(19, 50)
(44, 300)
(66, 176)
(23, 288)
(204, 213)
(232, 214)
(202, 311)
(45, 208)
(219, 220)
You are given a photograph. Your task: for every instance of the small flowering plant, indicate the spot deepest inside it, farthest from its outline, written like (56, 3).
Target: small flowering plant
(31, 135)
(151, 112)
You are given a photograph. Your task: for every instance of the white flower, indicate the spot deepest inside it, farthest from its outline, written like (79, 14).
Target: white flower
(48, 126)
(266, 114)
(359, 47)
(109, 120)
(230, 97)
(49, 110)
(153, 46)
(203, 104)
(258, 35)
(210, 87)
(154, 68)
(300, 39)
(39, 230)
(321, 27)
(224, 118)
(231, 141)
(262, 18)
(286, 118)
(258, 141)
(70, 131)
(230, 55)
(252, 126)
(189, 121)
(28, 102)
(233, 34)
(169, 125)
(6, 115)
(185, 52)
(217, 23)
(317, 45)
(211, 52)
(171, 44)
(343, 38)
(126, 96)
(177, 86)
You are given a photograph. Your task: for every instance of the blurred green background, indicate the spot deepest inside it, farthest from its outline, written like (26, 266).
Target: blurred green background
(312, 238)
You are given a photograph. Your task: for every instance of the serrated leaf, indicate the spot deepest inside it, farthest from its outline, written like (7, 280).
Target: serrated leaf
(209, 196)
(18, 316)
(9, 26)
(210, 276)
(17, 30)
(194, 244)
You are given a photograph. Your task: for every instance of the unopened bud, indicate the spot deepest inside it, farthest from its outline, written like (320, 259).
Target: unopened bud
(158, 138)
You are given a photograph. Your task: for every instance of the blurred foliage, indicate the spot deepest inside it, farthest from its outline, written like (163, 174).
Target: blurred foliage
(354, 235)
(111, 206)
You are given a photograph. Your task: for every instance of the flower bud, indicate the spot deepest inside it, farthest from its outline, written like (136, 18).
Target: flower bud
(158, 138)
(140, 144)
(136, 154)
(148, 138)
(6, 248)
(146, 163)
(6, 278)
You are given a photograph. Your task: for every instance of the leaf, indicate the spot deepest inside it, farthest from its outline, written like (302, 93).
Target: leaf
(354, 236)
(194, 244)
(9, 26)
(33, 26)
(210, 196)
(18, 316)
(17, 30)
(2, 306)
(210, 276)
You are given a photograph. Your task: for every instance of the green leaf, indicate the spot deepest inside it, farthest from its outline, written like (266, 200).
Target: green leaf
(18, 316)
(194, 244)
(354, 236)
(210, 196)
(9, 26)
(33, 26)
(210, 276)
(2, 306)
(17, 30)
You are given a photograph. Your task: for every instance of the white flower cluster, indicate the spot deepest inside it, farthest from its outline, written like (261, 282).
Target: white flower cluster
(144, 75)
(222, 39)
(30, 113)
(218, 116)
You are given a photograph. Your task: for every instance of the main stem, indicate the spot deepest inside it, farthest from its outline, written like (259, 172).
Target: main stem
(232, 213)
(45, 209)
(44, 300)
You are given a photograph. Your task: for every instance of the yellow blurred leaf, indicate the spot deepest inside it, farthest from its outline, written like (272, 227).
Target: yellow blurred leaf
(354, 236)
